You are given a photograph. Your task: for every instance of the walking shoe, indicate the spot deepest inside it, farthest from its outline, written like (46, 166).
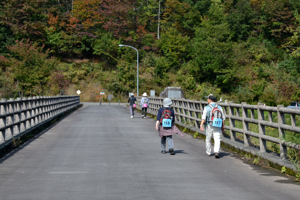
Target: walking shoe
(131, 117)
(208, 155)
(217, 155)
(142, 116)
(163, 151)
(171, 151)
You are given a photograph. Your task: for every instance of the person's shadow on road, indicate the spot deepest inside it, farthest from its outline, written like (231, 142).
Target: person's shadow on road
(223, 154)
(179, 151)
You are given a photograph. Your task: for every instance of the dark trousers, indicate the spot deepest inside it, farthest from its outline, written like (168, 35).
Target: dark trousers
(144, 111)
(169, 142)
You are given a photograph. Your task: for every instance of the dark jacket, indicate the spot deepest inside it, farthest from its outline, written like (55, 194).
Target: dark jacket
(162, 109)
(131, 101)
(167, 131)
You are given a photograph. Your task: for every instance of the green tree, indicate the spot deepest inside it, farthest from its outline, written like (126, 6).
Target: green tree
(173, 46)
(211, 50)
(66, 37)
(195, 12)
(239, 18)
(30, 67)
(277, 20)
(293, 44)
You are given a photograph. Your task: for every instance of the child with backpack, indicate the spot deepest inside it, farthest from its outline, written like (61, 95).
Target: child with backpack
(144, 104)
(214, 119)
(166, 127)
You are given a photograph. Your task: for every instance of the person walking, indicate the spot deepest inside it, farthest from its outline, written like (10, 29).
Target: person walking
(132, 105)
(214, 120)
(166, 127)
(144, 104)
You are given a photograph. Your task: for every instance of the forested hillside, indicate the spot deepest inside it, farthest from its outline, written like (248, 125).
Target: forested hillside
(242, 50)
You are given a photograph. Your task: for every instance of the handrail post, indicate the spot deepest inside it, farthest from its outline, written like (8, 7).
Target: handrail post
(261, 129)
(245, 124)
(232, 122)
(281, 121)
(3, 112)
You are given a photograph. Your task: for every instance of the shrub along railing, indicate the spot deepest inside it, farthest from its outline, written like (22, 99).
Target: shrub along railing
(252, 125)
(20, 116)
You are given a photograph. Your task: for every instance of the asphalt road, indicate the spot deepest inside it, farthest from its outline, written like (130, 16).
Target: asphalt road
(99, 153)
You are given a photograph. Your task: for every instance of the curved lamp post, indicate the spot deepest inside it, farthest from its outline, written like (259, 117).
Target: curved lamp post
(137, 66)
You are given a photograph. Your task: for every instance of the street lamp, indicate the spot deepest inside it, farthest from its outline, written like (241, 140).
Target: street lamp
(137, 66)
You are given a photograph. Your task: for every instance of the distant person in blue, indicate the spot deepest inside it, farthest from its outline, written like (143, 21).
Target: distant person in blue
(132, 105)
(213, 118)
(144, 104)
(166, 127)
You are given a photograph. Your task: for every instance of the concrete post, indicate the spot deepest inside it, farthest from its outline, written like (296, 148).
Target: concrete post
(245, 124)
(197, 124)
(18, 116)
(3, 111)
(261, 128)
(231, 121)
(281, 121)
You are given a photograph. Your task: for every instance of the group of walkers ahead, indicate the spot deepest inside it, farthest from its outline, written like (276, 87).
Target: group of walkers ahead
(144, 105)
(213, 122)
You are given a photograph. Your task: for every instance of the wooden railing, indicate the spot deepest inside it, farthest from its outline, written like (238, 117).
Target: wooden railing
(245, 123)
(17, 117)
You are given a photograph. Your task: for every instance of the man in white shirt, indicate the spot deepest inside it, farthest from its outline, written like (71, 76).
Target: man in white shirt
(210, 128)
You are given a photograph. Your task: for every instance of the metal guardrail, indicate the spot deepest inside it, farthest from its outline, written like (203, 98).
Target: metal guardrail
(189, 112)
(17, 117)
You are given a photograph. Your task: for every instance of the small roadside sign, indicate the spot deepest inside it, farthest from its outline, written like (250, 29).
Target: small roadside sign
(78, 92)
(152, 93)
(109, 97)
(102, 93)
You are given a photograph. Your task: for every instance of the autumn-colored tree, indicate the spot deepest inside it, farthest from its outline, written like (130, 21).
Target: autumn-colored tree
(174, 14)
(25, 18)
(58, 82)
(121, 18)
(88, 12)
(65, 35)
(277, 22)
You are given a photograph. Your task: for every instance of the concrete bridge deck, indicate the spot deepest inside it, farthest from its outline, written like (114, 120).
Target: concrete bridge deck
(99, 153)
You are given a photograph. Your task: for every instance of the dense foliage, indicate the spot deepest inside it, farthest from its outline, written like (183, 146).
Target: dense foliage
(242, 50)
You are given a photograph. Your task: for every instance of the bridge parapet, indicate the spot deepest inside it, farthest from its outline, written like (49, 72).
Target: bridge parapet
(256, 126)
(20, 116)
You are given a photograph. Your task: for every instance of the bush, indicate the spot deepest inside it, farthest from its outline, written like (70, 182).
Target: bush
(269, 96)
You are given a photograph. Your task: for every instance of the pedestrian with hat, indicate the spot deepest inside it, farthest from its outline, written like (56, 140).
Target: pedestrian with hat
(214, 120)
(166, 127)
(144, 104)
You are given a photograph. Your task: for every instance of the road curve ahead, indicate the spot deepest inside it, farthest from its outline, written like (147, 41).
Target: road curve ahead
(99, 153)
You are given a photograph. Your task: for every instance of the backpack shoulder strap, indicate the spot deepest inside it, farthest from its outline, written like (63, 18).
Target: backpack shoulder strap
(219, 110)
(210, 112)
